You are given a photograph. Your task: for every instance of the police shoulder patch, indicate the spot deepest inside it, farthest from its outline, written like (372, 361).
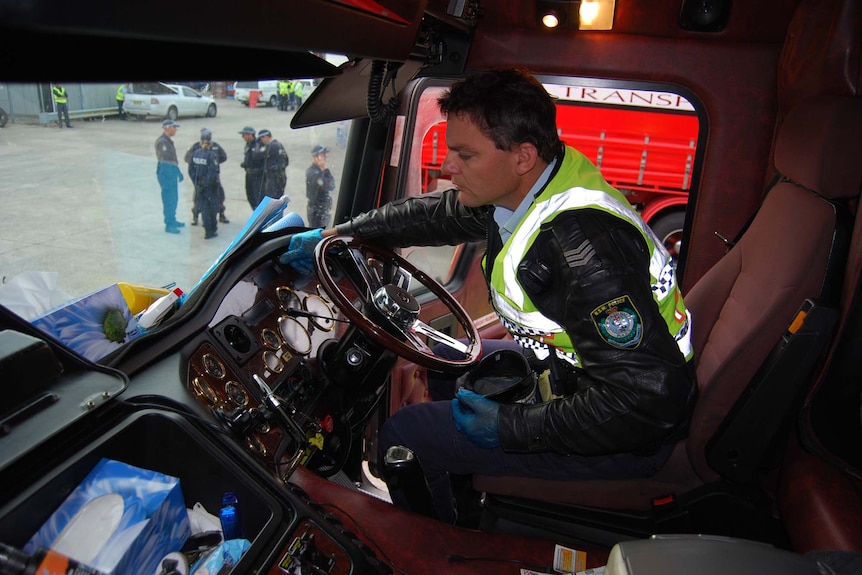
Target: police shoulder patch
(619, 323)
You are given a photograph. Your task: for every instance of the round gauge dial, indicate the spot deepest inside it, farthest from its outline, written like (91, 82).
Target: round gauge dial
(270, 338)
(213, 366)
(322, 317)
(273, 362)
(202, 389)
(287, 298)
(294, 335)
(322, 293)
(236, 393)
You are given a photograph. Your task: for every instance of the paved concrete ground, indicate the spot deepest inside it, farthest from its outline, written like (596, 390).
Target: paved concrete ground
(85, 202)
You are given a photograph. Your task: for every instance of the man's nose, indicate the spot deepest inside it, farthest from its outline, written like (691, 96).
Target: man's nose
(449, 166)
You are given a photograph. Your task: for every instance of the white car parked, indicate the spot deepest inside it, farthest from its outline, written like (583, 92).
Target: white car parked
(167, 101)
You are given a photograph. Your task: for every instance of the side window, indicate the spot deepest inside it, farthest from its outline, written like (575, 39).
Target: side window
(427, 152)
(644, 141)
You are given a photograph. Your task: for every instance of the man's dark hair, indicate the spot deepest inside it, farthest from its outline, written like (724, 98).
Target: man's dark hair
(510, 106)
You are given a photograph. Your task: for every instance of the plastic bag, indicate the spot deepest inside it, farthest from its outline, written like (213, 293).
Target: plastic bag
(32, 294)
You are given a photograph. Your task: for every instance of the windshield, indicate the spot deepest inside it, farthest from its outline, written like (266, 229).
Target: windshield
(85, 207)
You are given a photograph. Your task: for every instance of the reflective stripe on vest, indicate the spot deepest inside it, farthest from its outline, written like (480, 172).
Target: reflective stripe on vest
(517, 311)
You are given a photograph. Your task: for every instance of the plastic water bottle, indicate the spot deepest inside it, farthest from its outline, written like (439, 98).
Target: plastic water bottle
(230, 517)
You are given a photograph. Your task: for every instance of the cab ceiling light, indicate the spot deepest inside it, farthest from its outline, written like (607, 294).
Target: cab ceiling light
(581, 14)
(596, 15)
(558, 13)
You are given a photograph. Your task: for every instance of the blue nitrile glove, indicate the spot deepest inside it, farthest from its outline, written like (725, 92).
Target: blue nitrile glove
(300, 252)
(476, 417)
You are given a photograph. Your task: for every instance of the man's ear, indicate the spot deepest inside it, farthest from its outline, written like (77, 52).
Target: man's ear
(526, 158)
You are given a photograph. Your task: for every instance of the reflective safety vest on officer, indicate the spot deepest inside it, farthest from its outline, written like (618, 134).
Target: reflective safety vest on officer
(618, 321)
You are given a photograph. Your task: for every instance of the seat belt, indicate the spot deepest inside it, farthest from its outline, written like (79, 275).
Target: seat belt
(766, 408)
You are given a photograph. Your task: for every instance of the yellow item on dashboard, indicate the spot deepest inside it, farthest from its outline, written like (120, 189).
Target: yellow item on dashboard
(139, 297)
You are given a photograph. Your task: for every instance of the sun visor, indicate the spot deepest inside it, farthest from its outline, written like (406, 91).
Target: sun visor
(345, 96)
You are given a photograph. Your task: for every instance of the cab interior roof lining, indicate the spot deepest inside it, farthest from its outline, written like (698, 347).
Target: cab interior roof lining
(84, 60)
(265, 37)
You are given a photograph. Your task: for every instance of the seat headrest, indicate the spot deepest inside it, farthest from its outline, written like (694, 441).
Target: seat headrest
(819, 145)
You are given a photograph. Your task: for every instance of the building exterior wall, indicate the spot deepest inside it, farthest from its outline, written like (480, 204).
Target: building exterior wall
(32, 103)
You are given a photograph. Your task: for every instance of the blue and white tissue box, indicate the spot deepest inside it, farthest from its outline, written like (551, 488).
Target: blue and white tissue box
(94, 325)
(120, 520)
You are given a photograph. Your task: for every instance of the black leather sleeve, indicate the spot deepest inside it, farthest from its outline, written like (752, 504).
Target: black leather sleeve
(635, 387)
(433, 219)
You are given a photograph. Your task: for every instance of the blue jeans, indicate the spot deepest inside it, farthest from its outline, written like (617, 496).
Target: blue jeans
(63, 114)
(428, 429)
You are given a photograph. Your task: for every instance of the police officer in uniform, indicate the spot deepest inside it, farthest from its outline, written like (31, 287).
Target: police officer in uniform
(275, 163)
(252, 163)
(204, 173)
(222, 158)
(169, 175)
(319, 185)
(578, 279)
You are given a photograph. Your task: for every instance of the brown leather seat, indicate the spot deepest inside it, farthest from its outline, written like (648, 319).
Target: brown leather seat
(740, 310)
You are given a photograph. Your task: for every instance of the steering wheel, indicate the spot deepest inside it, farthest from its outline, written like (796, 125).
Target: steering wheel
(373, 293)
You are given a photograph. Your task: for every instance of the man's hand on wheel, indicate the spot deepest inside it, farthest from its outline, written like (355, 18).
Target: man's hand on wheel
(300, 252)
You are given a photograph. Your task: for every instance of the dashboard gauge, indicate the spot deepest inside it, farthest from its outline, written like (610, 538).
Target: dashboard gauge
(213, 366)
(273, 362)
(256, 445)
(322, 317)
(270, 338)
(202, 389)
(236, 393)
(287, 298)
(322, 293)
(294, 334)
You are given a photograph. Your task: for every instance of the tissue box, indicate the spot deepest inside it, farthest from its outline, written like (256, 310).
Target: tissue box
(94, 325)
(120, 520)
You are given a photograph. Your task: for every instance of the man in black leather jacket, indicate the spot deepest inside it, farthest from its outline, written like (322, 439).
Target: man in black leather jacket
(574, 275)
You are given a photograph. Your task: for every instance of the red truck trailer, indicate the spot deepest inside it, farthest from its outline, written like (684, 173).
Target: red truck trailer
(643, 142)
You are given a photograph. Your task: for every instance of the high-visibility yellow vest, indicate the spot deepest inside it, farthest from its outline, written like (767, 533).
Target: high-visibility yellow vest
(59, 93)
(578, 185)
